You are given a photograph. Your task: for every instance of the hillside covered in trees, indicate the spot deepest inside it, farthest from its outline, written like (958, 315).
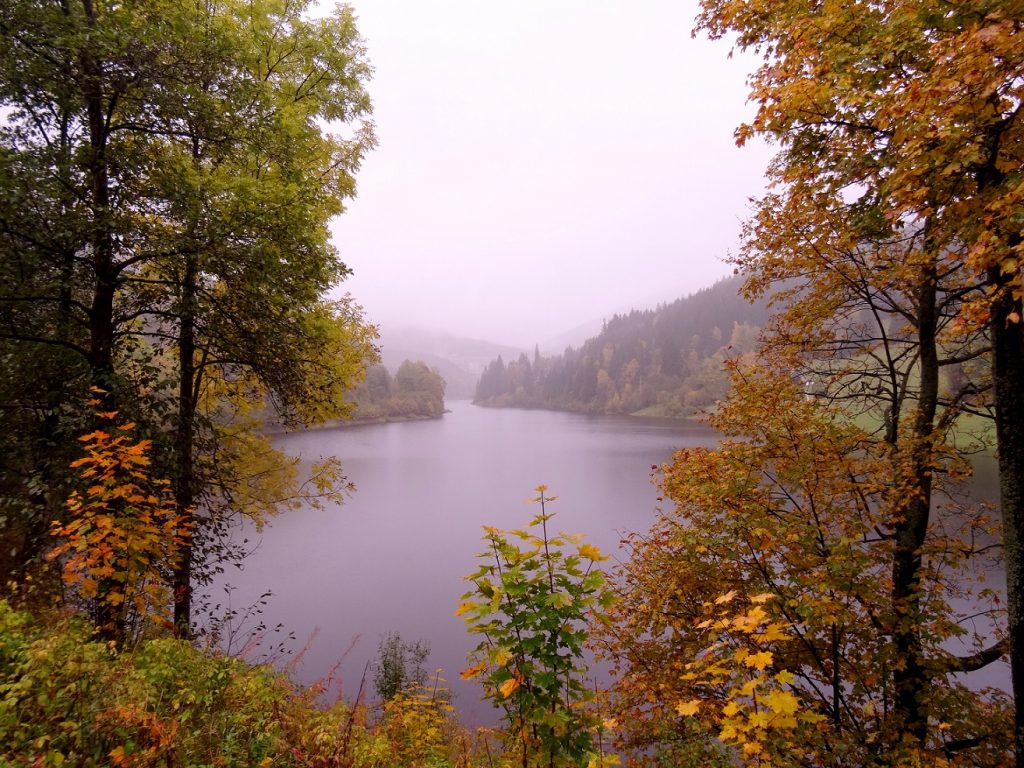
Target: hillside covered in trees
(662, 362)
(414, 392)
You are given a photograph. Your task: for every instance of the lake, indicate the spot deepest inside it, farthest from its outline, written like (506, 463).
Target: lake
(392, 557)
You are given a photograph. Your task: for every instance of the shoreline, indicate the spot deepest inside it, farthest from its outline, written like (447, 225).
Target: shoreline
(354, 422)
(695, 418)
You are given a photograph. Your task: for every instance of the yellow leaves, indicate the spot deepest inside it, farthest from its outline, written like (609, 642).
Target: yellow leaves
(688, 708)
(750, 686)
(726, 686)
(590, 552)
(750, 621)
(602, 760)
(761, 719)
(759, 660)
(782, 702)
(773, 633)
(509, 687)
(752, 748)
(464, 608)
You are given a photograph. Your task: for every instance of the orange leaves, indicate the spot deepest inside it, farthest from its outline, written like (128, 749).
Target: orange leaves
(123, 528)
(150, 738)
(688, 708)
(474, 671)
(509, 687)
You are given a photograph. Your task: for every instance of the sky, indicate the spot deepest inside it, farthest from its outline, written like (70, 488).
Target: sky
(544, 163)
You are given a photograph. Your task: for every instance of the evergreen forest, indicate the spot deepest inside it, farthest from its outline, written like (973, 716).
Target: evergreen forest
(669, 361)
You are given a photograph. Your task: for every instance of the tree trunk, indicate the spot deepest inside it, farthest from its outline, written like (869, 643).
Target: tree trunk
(1008, 381)
(909, 677)
(110, 621)
(184, 490)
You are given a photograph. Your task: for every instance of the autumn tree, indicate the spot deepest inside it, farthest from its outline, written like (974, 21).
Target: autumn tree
(802, 509)
(899, 129)
(124, 532)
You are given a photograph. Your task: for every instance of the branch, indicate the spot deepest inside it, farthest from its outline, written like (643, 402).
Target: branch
(960, 745)
(42, 340)
(975, 661)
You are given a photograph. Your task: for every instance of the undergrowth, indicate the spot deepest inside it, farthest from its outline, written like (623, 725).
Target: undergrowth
(70, 699)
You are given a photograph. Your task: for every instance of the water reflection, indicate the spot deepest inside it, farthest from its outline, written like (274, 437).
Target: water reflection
(392, 558)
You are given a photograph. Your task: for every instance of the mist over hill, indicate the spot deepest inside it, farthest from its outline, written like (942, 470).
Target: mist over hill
(666, 361)
(458, 359)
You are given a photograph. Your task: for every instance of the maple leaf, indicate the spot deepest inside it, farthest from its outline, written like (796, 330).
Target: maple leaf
(782, 702)
(726, 598)
(688, 708)
(759, 660)
(509, 687)
(474, 671)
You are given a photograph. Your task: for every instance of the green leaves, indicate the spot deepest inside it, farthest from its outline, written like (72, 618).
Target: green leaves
(531, 598)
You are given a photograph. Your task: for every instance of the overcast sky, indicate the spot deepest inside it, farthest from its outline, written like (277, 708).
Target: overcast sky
(543, 163)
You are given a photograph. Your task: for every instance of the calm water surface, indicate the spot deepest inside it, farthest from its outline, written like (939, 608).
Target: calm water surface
(393, 556)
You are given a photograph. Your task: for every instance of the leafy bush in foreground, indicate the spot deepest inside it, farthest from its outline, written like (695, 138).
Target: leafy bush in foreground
(69, 699)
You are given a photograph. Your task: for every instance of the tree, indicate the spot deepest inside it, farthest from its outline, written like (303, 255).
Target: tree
(529, 601)
(418, 391)
(802, 510)
(124, 531)
(399, 667)
(899, 125)
(167, 184)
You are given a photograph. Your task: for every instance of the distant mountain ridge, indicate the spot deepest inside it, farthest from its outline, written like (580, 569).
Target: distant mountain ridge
(666, 361)
(458, 359)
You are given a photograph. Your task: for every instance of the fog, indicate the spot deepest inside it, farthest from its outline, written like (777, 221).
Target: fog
(544, 163)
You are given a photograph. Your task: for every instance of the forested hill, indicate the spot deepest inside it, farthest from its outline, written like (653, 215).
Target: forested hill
(416, 391)
(661, 362)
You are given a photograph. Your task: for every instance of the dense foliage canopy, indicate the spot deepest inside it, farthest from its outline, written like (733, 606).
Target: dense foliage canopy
(167, 172)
